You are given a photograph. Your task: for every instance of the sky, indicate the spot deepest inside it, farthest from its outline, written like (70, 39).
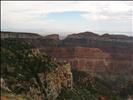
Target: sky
(65, 17)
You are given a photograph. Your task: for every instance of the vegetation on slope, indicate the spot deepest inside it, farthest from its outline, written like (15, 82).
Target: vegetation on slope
(21, 65)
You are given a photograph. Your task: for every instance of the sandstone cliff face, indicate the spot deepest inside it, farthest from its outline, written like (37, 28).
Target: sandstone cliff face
(81, 58)
(54, 81)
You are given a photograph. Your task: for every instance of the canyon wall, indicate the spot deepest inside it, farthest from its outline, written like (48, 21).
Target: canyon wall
(93, 60)
(110, 54)
(90, 52)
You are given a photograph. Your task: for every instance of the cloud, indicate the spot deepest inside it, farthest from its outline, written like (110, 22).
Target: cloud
(25, 14)
(112, 10)
(33, 8)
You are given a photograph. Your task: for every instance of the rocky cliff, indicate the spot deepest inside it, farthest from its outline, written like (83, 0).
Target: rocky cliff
(57, 79)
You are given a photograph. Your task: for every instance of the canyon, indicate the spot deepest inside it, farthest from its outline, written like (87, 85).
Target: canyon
(88, 65)
(90, 52)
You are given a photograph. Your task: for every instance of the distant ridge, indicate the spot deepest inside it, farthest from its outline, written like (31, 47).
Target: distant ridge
(85, 35)
(94, 35)
(18, 32)
(8, 34)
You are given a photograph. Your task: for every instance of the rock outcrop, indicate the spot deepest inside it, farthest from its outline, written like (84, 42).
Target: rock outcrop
(54, 81)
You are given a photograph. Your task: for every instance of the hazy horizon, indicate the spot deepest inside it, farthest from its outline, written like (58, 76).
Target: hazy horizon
(66, 17)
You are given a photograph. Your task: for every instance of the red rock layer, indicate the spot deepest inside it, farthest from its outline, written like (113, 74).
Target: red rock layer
(93, 59)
